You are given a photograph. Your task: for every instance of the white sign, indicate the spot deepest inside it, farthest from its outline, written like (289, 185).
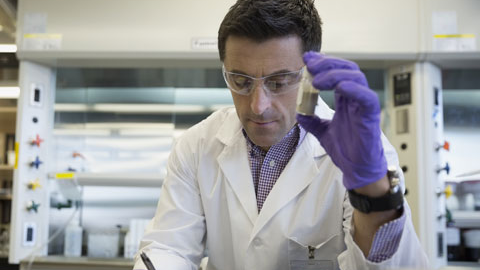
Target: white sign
(454, 43)
(204, 43)
(42, 42)
(35, 23)
(444, 22)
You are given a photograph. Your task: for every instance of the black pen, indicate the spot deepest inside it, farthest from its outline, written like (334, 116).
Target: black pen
(147, 261)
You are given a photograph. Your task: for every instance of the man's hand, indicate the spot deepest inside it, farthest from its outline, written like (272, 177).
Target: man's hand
(353, 137)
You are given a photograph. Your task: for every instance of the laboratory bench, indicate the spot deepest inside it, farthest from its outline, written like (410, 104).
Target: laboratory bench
(78, 263)
(462, 266)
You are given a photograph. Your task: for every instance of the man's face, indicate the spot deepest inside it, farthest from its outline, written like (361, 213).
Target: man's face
(266, 118)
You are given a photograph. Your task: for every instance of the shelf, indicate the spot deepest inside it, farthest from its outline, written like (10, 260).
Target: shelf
(61, 262)
(6, 173)
(6, 167)
(462, 265)
(8, 110)
(139, 108)
(112, 179)
(5, 197)
(466, 219)
(9, 83)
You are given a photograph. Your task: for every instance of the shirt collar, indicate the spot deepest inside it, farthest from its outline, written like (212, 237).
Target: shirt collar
(296, 133)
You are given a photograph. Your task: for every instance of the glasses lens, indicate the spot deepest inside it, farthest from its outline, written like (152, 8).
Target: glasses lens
(275, 84)
(281, 83)
(238, 83)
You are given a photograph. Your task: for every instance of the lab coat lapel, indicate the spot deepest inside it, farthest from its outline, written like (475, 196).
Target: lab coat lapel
(233, 161)
(297, 175)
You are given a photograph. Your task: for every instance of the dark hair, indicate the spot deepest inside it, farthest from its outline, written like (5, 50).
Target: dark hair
(261, 20)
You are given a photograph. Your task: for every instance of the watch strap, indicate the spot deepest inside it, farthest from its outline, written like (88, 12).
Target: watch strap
(367, 204)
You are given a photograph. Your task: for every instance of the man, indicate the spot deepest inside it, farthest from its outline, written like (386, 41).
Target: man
(253, 189)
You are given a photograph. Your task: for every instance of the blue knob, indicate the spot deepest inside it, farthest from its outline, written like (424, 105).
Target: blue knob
(36, 163)
(446, 169)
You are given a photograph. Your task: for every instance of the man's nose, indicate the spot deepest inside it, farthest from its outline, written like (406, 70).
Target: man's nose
(260, 100)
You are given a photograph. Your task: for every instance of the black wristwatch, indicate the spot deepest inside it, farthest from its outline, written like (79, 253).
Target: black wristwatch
(392, 200)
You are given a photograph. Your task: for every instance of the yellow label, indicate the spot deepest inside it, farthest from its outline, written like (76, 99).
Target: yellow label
(17, 145)
(68, 175)
(455, 36)
(43, 35)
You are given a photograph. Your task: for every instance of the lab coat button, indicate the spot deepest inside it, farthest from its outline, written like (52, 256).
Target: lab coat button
(257, 242)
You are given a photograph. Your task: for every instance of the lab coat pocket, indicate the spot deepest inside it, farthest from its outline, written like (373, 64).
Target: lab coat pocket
(318, 257)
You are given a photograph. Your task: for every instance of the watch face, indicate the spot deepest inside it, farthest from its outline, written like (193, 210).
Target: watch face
(394, 179)
(394, 189)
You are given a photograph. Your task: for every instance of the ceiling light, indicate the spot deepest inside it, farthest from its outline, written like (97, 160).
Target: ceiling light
(8, 48)
(81, 132)
(9, 92)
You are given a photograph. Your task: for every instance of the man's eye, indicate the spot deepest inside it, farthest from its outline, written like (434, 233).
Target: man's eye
(278, 82)
(241, 81)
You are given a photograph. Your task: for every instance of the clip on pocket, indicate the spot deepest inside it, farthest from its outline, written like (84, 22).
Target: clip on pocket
(311, 252)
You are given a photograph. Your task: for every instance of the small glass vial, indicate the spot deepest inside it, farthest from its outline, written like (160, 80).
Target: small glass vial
(307, 97)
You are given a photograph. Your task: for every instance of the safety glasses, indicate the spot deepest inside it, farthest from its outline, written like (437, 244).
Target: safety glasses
(275, 84)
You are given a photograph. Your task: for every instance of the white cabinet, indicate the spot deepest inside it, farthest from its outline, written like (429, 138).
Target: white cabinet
(381, 27)
(164, 33)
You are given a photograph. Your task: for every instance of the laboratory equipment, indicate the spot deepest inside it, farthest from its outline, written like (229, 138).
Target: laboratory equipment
(415, 108)
(472, 244)
(73, 239)
(453, 243)
(134, 236)
(103, 243)
(464, 190)
(307, 95)
(11, 158)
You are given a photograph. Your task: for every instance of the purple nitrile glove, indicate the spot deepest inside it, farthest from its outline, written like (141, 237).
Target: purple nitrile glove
(353, 137)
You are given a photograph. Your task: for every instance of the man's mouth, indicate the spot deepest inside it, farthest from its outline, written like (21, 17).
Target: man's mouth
(262, 122)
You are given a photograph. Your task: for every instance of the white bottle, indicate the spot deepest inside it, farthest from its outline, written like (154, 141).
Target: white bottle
(73, 239)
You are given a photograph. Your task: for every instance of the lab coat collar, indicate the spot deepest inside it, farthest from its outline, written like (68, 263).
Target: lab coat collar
(230, 129)
(297, 175)
(233, 161)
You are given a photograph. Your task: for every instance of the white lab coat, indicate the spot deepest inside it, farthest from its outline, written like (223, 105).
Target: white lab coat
(208, 198)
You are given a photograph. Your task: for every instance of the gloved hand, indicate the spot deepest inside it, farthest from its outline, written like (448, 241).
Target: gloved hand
(353, 137)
